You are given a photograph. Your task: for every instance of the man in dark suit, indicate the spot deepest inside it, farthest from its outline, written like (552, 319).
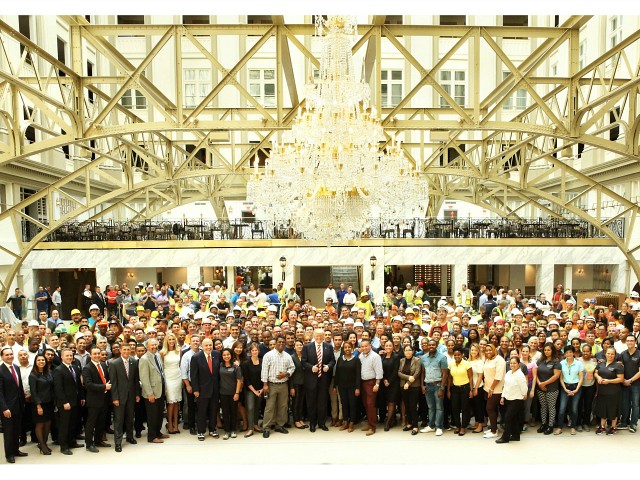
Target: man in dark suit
(318, 361)
(95, 376)
(68, 394)
(152, 383)
(205, 383)
(98, 299)
(12, 404)
(125, 393)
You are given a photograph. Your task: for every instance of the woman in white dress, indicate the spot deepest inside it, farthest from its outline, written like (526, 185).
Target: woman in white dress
(173, 383)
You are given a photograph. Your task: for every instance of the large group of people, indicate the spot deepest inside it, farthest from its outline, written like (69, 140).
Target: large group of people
(222, 362)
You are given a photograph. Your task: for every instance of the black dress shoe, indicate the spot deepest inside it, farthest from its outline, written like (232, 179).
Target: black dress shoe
(502, 440)
(324, 428)
(541, 428)
(132, 441)
(548, 431)
(265, 433)
(193, 431)
(66, 451)
(76, 445)
(20, 454)
(118, 448)
(312, 428)
(92, 449)
(138, 435)
(281, 430)
(103, 444)
(11, 460)
(287, 425)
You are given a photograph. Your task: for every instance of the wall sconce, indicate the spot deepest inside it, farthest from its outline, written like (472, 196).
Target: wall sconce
(283, 264)
(129, 274)
(580, 271)
(373, 261)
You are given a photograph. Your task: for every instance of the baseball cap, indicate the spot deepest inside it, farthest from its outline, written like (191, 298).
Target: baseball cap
(358, 324)
(33, 323)
(554, 322)
(94, 307)
(140, 308)
(75, 311)
(154, 314)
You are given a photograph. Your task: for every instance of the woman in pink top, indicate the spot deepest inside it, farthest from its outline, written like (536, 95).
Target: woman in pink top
(493, 374)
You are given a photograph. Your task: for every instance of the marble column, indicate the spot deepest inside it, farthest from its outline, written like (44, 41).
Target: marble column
(459, 273)
(194, 274)
(620, 278)
(544, 279)
(444, 281)
(568, 277)
(103, 277)
(231, 278)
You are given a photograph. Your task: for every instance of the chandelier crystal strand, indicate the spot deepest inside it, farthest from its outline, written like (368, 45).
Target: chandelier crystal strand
(328, 178)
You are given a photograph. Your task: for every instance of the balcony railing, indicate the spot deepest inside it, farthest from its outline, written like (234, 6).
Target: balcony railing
(95, 231)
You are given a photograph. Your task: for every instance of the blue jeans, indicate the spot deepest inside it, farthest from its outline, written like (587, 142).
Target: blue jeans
(564, 401)
(435, 404)
(630, 404)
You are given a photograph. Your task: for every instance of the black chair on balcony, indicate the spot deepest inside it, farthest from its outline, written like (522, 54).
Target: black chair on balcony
(257, 229)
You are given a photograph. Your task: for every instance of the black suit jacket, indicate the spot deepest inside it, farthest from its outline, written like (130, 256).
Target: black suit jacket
(202, 381)
(98, 299)
(123, 387)
(11, 395)
(96, 390)
(65, 388)
(310, 359)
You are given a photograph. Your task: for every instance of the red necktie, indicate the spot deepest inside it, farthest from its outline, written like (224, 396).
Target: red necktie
(15, 376)
(319, 353)
(101, 374)
(209, 363)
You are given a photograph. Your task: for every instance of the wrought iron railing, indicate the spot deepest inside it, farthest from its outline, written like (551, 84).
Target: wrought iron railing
(92, 231)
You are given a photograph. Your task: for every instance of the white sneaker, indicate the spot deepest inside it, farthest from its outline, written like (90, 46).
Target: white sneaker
(438, 432)
(427, 429)
(490, 434)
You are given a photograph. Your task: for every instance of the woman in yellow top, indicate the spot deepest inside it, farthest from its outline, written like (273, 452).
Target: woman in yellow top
(459, 390)
(493, 374)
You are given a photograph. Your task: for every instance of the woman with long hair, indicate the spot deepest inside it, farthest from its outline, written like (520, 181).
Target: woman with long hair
(410, 383)
(473, 336)
(390, 385)
(41, 385)
(230, 388)
(493, 373)
(239, 357)
(251, 373)
(347, 382)
(173, 381)
(296, 385)
(548, 383)
(477, 398)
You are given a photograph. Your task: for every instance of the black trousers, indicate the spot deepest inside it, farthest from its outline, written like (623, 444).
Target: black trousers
(11, 431)
(460, 406)
(207, 413)
(349, 404)
(67, 427)
(155, 411)
(229, 412)
(477, 406)
(316, 400)
(297, 404)
(191, 409)
(95, 423)
(410, 399)
(123, 419)
(512, 417)
(140, 416)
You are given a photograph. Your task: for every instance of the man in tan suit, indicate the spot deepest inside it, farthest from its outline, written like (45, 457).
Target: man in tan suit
(152, 381)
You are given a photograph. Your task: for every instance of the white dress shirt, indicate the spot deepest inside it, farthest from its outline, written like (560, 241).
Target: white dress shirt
(515, 385)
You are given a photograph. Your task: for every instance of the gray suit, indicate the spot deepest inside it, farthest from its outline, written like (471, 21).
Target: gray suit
(152, 383)
(124, 389)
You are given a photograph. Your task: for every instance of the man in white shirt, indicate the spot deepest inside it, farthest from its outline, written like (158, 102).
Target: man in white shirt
(56, 298)
(331, 293)
(349, 298)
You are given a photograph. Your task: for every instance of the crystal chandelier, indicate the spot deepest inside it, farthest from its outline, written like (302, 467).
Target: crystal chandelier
(328, 178)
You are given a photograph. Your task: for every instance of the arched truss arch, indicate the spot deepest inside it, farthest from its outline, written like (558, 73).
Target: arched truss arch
(510, 163)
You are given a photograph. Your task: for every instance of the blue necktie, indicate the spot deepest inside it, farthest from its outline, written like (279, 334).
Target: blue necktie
(159, 367)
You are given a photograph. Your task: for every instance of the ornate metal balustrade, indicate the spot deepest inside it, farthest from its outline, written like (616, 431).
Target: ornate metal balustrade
(94, 231)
